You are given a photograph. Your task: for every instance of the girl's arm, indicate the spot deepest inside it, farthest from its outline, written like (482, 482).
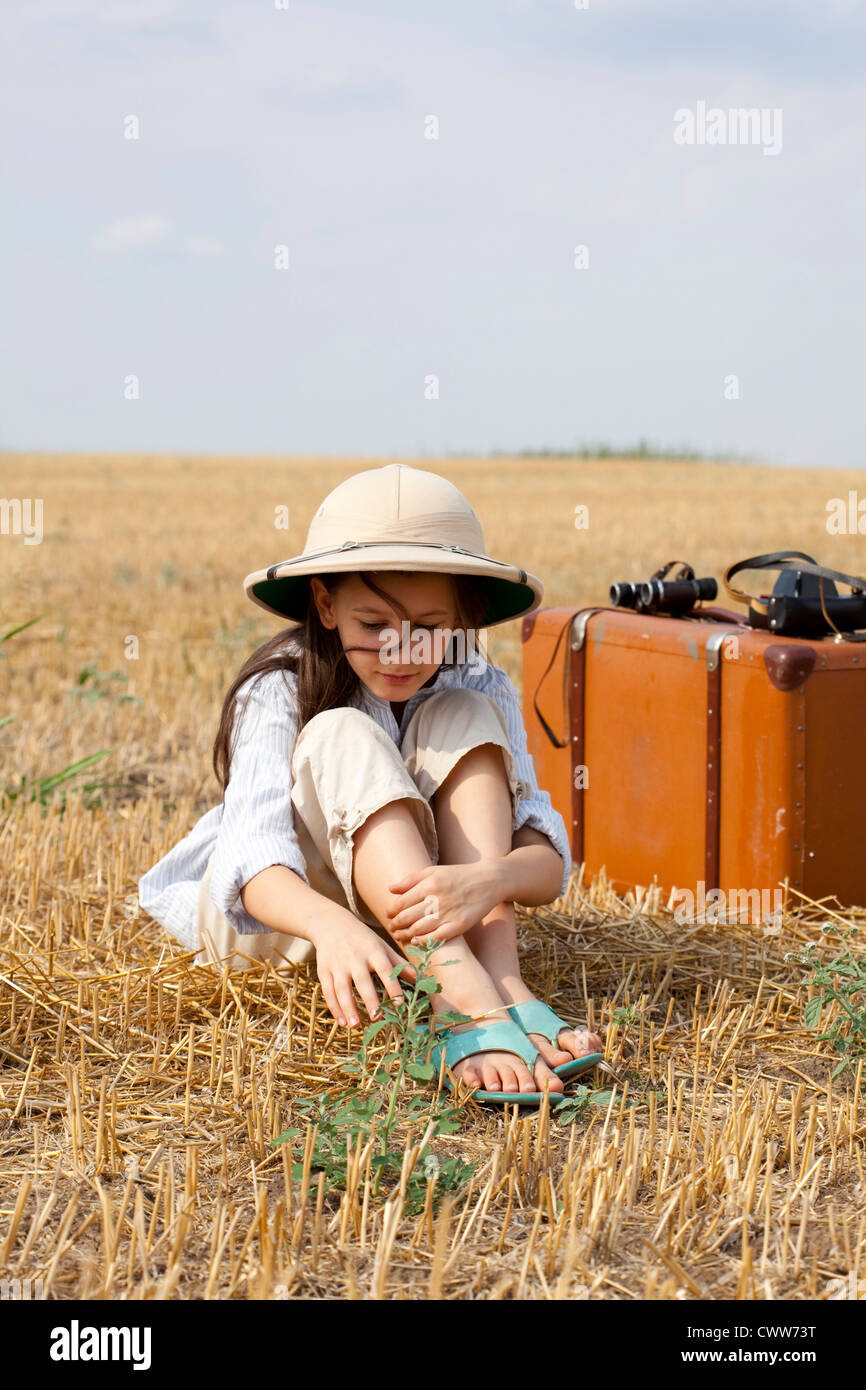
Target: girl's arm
(259, 868)
(256, 827)
(456, 896)
(541, 839)
(346, 949)
(532, 873)
(282, 901)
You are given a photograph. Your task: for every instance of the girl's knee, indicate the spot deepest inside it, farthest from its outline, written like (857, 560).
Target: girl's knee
(336, 730)
(344, 755)
(332, 719)
(453, 725)
(470, 711)
(456, 698)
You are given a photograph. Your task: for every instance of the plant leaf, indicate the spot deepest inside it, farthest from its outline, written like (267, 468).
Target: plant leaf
(601, 1097)
(447, 1127)
(286, 1134)
(15, 630)
(813, 1011)
(373, 1031)
(421, 1071)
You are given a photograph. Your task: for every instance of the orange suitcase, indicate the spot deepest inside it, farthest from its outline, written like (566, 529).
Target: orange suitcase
(703, 755)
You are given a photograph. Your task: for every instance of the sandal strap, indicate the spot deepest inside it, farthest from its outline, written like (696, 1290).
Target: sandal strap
(537, 1017)
(496, 1037)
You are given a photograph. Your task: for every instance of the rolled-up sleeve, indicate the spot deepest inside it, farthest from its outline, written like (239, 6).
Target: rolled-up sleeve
(257, 824)
(535, 807)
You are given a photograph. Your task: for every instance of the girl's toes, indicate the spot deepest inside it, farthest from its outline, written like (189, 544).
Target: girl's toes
(553, 1056)
(545, 1077)
(580, 1043)
(508, 1080)
(490, 1072)
(524, 1079)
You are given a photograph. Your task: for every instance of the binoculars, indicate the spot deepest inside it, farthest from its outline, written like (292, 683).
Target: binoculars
(663, 595)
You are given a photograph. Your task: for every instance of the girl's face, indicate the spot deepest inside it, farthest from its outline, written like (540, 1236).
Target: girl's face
(400, 654)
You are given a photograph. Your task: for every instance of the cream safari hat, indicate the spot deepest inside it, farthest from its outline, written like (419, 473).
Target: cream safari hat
(395, 518)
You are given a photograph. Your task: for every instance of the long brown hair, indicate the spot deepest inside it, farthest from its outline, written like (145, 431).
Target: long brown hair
(315, 654)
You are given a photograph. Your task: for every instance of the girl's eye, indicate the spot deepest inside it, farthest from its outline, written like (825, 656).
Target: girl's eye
(381, 627)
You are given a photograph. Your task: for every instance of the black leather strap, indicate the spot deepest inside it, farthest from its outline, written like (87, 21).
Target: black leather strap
(803, 564)
(557, 743)
(788, 560)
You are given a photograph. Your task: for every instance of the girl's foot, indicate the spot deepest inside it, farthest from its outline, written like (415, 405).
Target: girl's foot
(570, 1043)
(502, 1071)
(471, 991)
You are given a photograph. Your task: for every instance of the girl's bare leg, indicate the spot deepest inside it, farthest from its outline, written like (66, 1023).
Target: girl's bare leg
(388, 845)
(472, 810)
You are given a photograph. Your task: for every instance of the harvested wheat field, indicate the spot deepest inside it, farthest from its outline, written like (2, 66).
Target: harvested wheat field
(139, 1093)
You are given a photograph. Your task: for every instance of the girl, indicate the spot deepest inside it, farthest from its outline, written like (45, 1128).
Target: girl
(377, 785)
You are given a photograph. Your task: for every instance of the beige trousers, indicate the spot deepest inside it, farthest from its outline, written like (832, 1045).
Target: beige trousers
(344, 768)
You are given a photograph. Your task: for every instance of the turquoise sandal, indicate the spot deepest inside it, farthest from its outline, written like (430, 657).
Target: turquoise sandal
(536, 1017)
(495, 1037)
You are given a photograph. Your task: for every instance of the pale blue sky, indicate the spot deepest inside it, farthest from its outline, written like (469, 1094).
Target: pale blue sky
(411, 257)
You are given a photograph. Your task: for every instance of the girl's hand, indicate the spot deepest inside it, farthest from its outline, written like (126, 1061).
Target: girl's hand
(345, 956)
(442, 901)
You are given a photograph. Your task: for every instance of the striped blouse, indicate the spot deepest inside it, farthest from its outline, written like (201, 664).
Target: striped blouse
(253, 827)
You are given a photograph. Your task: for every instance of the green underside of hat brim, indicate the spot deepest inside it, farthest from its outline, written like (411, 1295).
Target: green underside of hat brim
(288, 596)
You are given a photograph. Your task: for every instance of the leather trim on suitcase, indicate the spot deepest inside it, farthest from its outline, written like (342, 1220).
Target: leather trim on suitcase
(578, 731)
(578, 686)
(712, 831)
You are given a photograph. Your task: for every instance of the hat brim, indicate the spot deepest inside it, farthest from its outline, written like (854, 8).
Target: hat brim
(284, 588)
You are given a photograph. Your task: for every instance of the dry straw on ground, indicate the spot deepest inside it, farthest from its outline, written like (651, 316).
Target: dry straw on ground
(138, 1092)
